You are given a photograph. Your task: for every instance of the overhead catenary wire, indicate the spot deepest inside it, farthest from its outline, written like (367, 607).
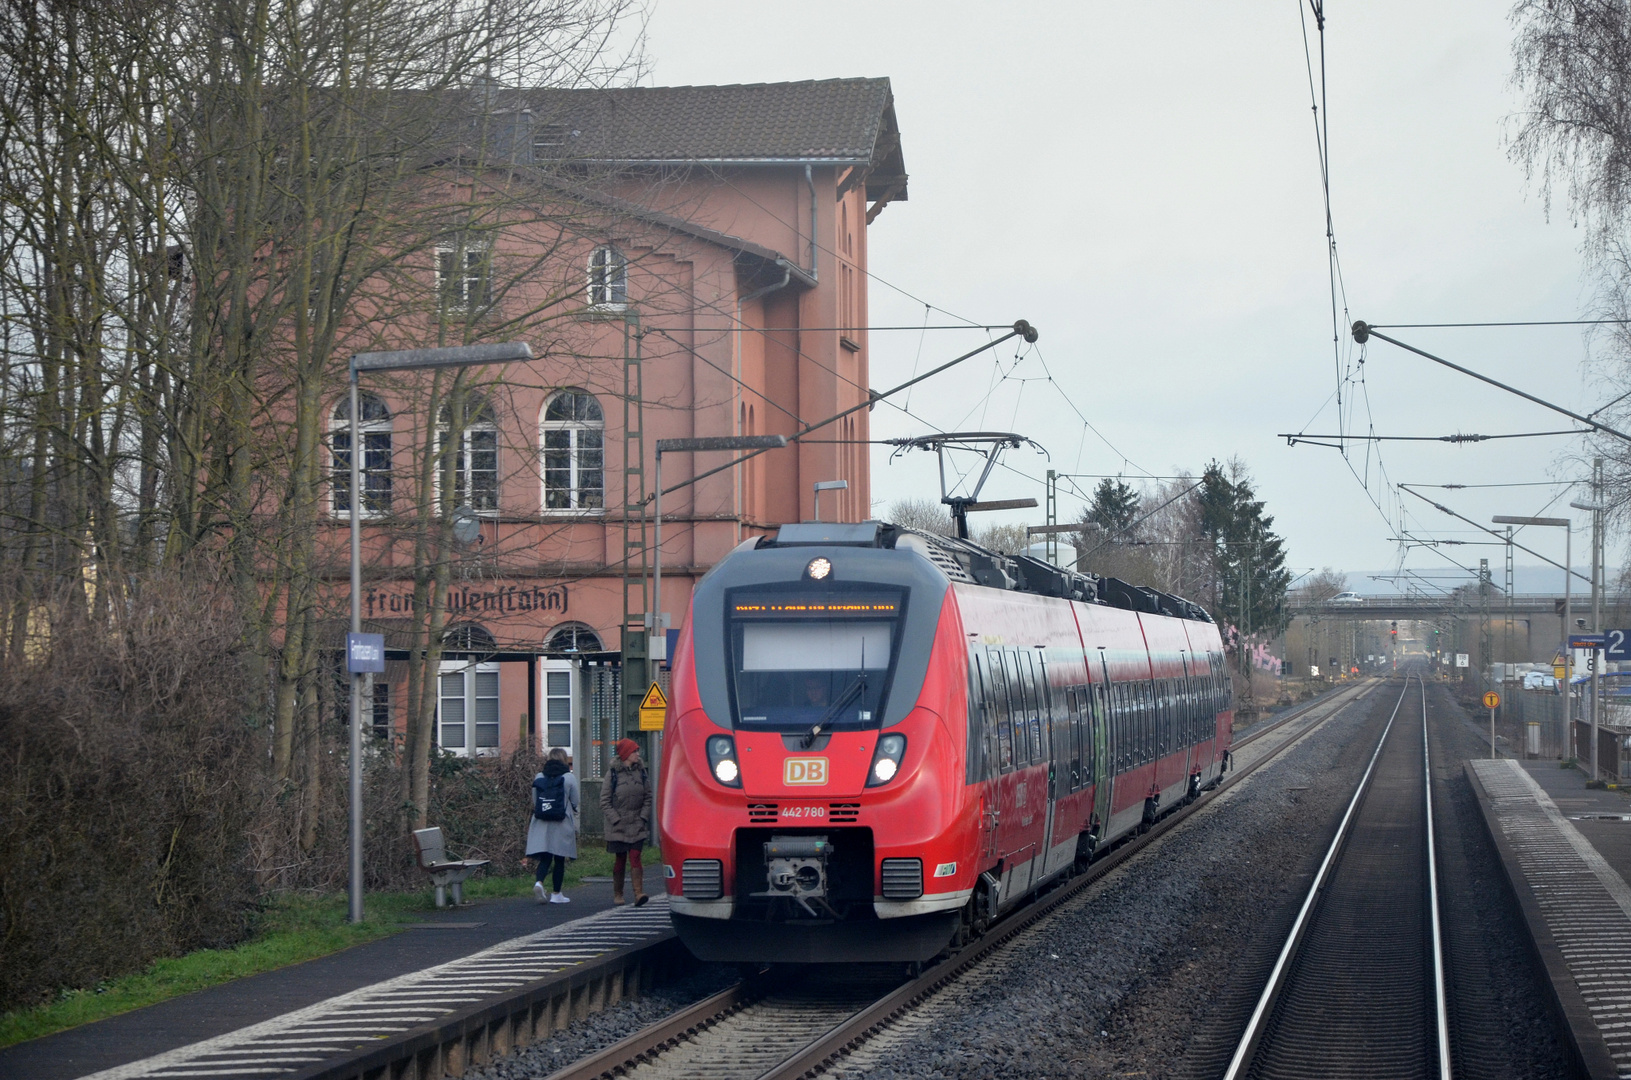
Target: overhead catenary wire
(1020, 329)
(970, 323)
(1292, 439)
(1363, 331)
(1465, 325)
(1499, 536)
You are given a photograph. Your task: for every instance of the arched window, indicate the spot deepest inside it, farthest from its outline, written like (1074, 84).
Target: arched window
(468, 637)
(374, 431)
(608, 278)
(572, 637)
(572, 433)
(475, 456)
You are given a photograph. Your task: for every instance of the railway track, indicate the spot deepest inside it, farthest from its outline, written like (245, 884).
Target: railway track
(756, 1032)
(1358, 989)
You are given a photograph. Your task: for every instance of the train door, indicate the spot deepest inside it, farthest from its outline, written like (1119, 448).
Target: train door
(1104, 749)
(982, 709)
(1051, 704)
(1010, 788)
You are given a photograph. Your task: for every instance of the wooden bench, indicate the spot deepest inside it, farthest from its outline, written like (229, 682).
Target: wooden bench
(443, 871)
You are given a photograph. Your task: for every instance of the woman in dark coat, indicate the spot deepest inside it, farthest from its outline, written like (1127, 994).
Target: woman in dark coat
(625, 804)
(554, 842)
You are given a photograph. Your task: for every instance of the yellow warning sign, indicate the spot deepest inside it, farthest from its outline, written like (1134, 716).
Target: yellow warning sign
(653, 709)
(1492, 700)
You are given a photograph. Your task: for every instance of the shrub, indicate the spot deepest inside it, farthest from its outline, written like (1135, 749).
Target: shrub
(128, 783)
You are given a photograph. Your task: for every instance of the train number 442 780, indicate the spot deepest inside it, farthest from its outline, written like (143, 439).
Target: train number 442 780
(804, 812)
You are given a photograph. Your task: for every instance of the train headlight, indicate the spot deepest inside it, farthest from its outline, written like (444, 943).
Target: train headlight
(722, 760)
(819, 568)
(886, 760)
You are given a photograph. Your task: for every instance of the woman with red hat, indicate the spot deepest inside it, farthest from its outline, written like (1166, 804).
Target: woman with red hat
(625, 804)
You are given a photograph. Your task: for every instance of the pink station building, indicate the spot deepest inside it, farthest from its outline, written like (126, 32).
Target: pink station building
(728, 257)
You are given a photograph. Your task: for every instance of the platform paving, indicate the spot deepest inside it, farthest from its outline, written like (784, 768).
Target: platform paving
(483, 947)
(1567, 850)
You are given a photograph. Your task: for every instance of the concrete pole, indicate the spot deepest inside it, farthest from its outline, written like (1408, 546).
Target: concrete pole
(1598, 657)
(657, 631)
(355, 889)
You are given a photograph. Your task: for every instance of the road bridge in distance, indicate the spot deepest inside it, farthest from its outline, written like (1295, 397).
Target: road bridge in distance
(1457, 606)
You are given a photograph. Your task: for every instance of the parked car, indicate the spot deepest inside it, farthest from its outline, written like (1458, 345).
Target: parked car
(1539, 680)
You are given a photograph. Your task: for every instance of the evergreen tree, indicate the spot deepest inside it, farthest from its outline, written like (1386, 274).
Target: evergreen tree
(1249, 577)
(1114, 509)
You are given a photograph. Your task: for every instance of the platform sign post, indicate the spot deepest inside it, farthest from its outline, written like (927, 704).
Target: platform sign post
(1492, 701)
(653, 711)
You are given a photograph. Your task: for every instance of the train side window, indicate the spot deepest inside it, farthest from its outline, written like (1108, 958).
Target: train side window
(1080, 747)
(1122, 728)
(977, 720)
(1163, 716)
(1112, 700)
(1042, 710)
(1024, 686)
(1005, 719)
(1095, 717)
(1100, 722)
(1152, 748)
(1135, 724)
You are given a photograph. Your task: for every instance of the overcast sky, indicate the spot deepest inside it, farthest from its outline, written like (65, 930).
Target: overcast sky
(1141, 182)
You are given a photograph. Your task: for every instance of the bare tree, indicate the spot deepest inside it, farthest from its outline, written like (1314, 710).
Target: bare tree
(925, 515)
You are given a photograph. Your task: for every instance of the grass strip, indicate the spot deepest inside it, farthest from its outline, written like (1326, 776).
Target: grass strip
(292, 928)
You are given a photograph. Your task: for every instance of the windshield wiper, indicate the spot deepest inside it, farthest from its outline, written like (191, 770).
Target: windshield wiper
(849, 694)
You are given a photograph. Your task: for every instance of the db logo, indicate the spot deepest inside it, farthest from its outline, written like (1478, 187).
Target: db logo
(804, 770)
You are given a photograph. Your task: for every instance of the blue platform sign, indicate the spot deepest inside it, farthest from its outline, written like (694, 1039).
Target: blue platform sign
(364, 653)
(1617, 644)
(1587, 641)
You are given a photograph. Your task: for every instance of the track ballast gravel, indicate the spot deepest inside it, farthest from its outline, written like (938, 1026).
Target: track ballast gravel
(1130, 979)
(1153, 971)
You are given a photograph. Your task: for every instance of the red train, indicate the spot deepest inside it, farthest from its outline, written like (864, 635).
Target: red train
(879, 739)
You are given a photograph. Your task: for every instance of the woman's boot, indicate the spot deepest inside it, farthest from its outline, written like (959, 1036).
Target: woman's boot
(617, 881)
(639, 872)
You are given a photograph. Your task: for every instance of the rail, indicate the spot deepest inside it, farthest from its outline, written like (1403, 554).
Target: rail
(1332, 921)
(809, 1058)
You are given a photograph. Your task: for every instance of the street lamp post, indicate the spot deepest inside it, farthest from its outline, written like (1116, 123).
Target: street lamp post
(397, 360)
(1568, 616)
(827, 485)
(1596, 509)
(657, 647)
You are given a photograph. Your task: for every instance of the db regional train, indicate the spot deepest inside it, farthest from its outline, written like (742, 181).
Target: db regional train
(878, 740)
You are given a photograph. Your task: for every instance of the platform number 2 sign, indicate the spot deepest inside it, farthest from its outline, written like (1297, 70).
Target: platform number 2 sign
(1615, 645)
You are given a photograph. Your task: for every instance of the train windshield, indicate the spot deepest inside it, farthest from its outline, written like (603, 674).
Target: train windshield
(804, 658)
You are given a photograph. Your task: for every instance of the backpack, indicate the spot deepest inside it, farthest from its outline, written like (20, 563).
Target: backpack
(549, 798)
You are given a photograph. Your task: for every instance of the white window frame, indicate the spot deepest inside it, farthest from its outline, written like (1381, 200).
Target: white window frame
(478, 420)
(471, 670)
(571, 701)
(608, 279)
(555, 632)
(340, 475)
(575, 431)
(473, 288)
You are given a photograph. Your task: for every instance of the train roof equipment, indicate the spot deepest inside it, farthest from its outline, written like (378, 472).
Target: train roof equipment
(965, 561)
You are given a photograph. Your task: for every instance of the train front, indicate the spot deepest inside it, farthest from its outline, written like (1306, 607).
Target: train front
(813, 799)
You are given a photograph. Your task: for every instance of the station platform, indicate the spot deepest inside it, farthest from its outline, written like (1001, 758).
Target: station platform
(1566, 848)
(286, 1021)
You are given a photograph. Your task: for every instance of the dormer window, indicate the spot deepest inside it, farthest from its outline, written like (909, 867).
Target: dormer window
(548, 135)
(608, 278)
